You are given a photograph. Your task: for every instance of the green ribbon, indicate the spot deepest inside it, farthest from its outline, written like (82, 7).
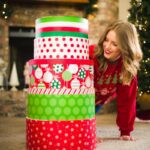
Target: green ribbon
(54, 33)
(61, 107)
(60, 18)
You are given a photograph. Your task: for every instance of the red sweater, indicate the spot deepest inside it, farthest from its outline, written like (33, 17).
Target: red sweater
(108, 87)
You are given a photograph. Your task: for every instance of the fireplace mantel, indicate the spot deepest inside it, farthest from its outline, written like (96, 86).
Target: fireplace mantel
(51, 1)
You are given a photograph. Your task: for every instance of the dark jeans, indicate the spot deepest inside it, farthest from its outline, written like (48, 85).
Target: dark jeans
(98, 108)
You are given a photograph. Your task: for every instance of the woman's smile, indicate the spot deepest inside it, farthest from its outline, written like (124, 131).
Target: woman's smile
(110, 46)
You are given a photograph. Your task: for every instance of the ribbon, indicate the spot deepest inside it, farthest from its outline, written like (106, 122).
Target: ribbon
(62, 91)
(61, 18)
(60, 61)
(62, 24)
(64, 34)
(59, 28)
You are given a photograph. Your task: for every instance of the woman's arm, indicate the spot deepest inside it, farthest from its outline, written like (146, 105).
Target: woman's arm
(126, 105)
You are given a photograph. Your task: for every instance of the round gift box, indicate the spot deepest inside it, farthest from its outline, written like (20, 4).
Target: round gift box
(64, 135)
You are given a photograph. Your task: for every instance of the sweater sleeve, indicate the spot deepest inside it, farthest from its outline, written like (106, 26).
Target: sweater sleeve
(126, 105)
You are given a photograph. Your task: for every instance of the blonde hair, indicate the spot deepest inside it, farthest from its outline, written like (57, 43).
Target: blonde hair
(129, 45)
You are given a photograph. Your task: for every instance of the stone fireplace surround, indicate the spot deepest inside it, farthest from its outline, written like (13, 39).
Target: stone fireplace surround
(13, 103)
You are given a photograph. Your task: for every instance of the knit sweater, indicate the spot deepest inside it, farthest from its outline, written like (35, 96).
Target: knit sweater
(108, 87)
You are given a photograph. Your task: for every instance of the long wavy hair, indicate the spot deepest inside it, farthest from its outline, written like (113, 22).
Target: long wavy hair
(128, 43)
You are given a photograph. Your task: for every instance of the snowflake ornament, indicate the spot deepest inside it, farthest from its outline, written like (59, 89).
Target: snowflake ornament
(55, 84)
(58, 68)
(82, 73)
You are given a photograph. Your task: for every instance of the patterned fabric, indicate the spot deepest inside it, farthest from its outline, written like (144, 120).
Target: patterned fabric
(106, 82)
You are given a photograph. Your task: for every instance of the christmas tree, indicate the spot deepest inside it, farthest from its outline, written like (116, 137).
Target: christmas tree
(139, 15)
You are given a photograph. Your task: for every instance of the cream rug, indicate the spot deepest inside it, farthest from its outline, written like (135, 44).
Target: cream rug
(109, 134)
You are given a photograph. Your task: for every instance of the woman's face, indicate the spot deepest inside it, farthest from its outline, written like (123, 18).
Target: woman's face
(110, 46)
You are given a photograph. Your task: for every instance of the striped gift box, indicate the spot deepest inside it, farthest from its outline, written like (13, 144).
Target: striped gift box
(61, 37)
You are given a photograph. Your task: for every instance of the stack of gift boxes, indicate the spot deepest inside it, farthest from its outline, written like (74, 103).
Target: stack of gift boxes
(60, 104)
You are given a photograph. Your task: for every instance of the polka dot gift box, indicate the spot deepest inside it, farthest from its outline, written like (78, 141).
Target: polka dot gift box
(61, 95)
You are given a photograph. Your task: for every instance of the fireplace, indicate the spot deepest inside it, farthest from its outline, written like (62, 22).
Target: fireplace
(21, 50)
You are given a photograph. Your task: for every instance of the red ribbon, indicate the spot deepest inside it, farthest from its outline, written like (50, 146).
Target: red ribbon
(59, 61)
(69, 29)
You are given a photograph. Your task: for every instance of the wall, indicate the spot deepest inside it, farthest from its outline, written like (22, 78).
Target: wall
(124, 5)
(107, 12)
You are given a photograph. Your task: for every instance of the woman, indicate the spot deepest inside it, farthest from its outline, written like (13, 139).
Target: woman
(116, 62)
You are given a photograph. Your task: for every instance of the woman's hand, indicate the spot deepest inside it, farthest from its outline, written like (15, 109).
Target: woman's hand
(127, 138)
(99, 140)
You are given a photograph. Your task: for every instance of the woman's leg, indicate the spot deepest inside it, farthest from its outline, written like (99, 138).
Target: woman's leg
(98, 108)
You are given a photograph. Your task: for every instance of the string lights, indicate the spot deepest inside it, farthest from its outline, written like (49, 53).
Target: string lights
(139, 15)
(5, 10)
(91, 9)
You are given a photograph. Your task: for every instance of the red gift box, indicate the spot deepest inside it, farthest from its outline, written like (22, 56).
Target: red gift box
(61, 135)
